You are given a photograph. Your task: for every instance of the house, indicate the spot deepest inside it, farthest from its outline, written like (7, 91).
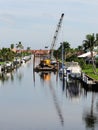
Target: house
(87, 56)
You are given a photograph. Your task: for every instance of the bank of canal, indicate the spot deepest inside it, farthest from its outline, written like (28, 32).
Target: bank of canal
(38, 101)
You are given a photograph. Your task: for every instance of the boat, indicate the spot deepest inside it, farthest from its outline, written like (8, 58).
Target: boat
(39, 68)
(45, 65)
(74, 70)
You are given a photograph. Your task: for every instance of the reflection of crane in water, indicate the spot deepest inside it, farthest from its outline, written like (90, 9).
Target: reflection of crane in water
(56, 102)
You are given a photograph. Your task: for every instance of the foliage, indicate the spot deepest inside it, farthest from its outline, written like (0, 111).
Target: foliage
(12, 46)
(7, 54)
(89, 44)
(89, 71)
(19, 46)
(66, 49)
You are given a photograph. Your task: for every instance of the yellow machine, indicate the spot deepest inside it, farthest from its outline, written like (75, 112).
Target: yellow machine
(45, 63)
(49, 62)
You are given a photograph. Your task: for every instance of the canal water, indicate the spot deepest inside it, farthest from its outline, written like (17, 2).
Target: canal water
(41, 101)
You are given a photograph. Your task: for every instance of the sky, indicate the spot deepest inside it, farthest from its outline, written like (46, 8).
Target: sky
(34, 22)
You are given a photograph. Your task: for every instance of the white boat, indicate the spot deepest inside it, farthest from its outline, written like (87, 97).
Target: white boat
(74, 70)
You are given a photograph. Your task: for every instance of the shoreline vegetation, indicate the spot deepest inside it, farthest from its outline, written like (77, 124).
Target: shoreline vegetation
(88, 70)
(13, 57)
(69, 54)
(13, 52)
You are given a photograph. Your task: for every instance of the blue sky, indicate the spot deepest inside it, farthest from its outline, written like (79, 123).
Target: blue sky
(33, 22)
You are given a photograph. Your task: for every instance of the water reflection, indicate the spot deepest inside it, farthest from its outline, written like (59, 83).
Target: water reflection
(73, 88)
(46, 76)
(17, 73)
(6, 77)
(49, 104)
(90, 116)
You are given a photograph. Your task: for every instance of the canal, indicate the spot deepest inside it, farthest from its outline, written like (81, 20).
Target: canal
(41, 101)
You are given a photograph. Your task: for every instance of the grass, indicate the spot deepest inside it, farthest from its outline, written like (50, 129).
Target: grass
(89, 71)
(1, 63)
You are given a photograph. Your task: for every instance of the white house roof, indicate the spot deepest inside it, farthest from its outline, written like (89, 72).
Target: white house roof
(88, 54)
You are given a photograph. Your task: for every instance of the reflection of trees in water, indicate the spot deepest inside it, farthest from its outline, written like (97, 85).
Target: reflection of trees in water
(90, 117)
(74, 89)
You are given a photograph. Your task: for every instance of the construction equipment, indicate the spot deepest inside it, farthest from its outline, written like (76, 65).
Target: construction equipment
(50, 60)
(55, 36)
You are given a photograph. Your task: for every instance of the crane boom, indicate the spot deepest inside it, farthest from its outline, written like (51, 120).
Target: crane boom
(50, 62)
(55, 35)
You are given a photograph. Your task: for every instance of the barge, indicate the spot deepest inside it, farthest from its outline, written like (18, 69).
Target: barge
(46, 68)
(45, 65)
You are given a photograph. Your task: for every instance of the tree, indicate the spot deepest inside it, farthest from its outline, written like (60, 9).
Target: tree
(12, 46)
(29, 50)
(20, 47)
(66, 48)
(89, 44)
(80, 49)
(7, 54)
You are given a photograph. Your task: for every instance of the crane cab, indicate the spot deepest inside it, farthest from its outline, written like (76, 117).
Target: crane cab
(45, 63)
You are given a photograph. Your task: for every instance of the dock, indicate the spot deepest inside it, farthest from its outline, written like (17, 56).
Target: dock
(88, 80)
(9, 66)
(74, 71)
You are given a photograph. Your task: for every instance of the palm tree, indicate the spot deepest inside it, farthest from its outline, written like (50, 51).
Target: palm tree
(29, 50)
(80, 49)
(89, 44)
(20, 47)
(7, 54)
(66, 49)
(12, 46)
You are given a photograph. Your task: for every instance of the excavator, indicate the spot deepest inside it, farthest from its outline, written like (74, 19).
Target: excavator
(48, 62)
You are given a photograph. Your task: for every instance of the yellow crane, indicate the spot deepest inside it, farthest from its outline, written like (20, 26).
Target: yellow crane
(50, 61)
